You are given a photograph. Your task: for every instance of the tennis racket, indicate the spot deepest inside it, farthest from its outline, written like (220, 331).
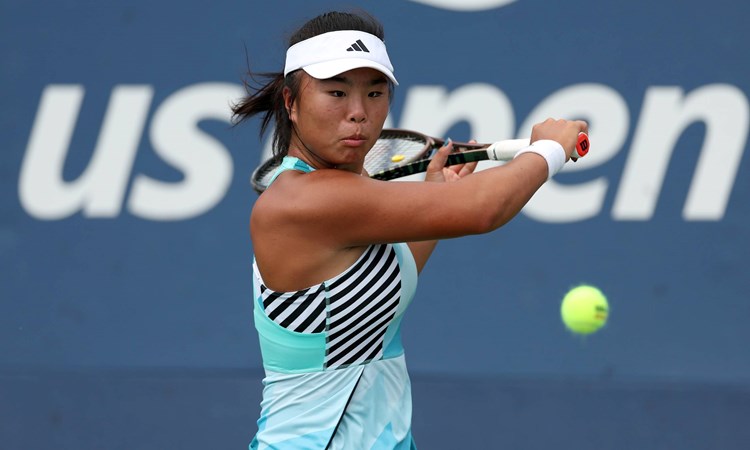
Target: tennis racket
(398, 153)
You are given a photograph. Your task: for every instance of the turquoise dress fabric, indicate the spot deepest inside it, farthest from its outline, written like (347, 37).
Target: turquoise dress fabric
(335, 370)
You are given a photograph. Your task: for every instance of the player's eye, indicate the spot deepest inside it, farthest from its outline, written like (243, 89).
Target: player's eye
(338, 93)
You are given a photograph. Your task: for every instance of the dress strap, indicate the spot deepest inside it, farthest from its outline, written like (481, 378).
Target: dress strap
(291, 163)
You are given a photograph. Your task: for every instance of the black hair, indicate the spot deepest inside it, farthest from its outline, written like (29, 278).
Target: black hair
(267, 99)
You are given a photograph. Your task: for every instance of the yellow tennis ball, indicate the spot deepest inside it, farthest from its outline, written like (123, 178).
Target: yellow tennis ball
(584, 309)
(397, 158)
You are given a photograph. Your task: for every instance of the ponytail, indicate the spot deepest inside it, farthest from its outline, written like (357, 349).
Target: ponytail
(267, 100)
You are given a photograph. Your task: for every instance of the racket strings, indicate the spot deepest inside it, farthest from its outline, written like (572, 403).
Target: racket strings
(263, 175)
(394, 151)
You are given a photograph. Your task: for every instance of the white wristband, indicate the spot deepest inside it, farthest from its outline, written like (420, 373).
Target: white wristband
(551, 151)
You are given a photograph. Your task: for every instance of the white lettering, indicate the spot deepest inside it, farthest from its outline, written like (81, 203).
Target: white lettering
(204, 161)
(99, 191)
(665, 114)
(206, 166)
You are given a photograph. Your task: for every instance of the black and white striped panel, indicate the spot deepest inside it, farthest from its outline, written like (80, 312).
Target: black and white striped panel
(362, 303)
(302, 311)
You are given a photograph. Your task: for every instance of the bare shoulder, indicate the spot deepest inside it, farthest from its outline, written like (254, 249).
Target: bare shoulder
(300, 209)
(294, 240)
(294, 198)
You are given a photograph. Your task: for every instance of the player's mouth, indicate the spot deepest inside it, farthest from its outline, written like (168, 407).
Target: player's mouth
(354, 140)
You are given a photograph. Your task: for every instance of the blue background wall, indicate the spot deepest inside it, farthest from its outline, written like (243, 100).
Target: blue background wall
(124, 290)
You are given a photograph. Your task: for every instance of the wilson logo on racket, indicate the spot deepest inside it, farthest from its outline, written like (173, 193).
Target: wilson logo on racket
(583, 146)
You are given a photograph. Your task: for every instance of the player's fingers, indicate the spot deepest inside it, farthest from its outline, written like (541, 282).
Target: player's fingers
(441, 156)
(583, 126)
(436, 168)
(450, 175)
(462, 170)
(466, 169)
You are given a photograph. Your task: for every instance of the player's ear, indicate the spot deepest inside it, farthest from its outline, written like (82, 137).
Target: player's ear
(289, 103)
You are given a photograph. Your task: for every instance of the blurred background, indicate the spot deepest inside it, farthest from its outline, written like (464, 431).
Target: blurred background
(125, 290)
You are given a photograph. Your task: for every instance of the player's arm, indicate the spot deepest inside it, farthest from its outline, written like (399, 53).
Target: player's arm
(363, 211)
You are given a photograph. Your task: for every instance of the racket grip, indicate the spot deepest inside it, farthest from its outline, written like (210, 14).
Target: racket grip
(507, 149)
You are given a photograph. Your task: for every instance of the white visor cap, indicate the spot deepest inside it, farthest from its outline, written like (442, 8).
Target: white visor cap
(329, 54)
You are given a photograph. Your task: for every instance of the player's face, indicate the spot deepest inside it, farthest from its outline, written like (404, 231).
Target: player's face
(340, 118)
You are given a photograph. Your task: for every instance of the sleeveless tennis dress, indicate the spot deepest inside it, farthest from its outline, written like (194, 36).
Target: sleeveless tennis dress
(335, 370)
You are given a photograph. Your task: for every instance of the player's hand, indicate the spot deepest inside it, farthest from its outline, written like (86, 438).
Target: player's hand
(437, 171)
(565, 132)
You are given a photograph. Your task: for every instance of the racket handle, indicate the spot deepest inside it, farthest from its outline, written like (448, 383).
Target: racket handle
(582, 147)
(507, 149)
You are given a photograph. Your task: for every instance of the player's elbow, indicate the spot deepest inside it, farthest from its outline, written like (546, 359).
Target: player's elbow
(495, 215)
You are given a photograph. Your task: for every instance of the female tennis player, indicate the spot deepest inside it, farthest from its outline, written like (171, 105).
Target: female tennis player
(337, 253)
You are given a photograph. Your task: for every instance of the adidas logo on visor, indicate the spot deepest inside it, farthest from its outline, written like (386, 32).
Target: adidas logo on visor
(327, 54)
(358, 46)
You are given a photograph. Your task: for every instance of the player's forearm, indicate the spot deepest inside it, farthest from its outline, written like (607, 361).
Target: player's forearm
(495, 196)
